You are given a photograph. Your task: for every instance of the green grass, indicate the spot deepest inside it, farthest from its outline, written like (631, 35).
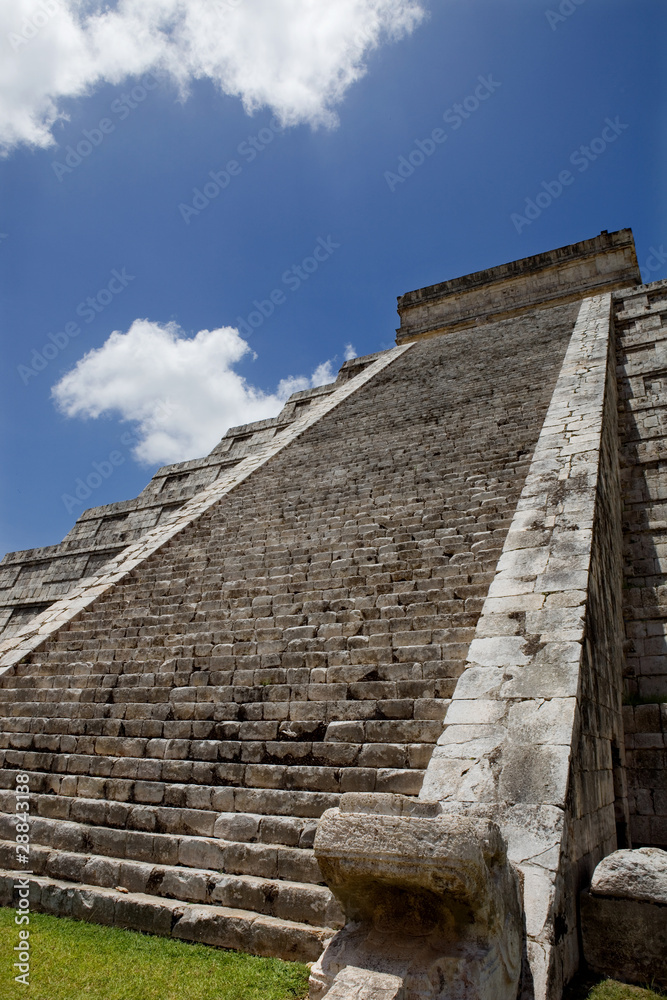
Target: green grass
(593, 988)
(610, 990)
(72, 960)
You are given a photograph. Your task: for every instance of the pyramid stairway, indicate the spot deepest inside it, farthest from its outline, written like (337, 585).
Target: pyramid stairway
(297, 640)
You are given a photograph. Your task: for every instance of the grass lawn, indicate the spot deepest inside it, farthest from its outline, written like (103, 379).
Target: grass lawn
(72, 960)
(609, 990)
(592, 988)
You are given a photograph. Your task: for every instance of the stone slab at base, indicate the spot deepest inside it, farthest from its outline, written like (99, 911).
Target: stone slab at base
(360, 984)
(220, 926)
(624, 917)
(625, 938)
(637, 875)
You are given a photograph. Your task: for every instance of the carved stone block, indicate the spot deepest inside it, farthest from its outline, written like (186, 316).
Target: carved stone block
(431, 902)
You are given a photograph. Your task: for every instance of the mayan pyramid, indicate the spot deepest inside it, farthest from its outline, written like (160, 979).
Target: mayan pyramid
(434, 578)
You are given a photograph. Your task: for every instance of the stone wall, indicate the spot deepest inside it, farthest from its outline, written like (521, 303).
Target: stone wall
(642, 376)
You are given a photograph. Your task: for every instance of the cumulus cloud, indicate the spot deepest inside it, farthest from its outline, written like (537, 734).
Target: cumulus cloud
(296, 57)
(181, 393)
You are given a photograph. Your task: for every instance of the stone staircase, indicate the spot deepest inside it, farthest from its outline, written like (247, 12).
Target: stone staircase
(298, 639)
(219, 814)
(33, 579)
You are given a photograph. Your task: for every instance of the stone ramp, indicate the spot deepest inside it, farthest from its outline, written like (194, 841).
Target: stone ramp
(294, 634)
(533, 737)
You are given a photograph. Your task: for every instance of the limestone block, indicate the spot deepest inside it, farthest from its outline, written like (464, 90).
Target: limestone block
(224, 928)
(431, 902)
(236, 826)
(52, 898)
(625, 938)
(360, 984)
(96, 907)
(66, 866)
(272, 936)
(187, 885)
(142, 914)
(200, 854)
(134, 875)
(101, 871)
(639, 875)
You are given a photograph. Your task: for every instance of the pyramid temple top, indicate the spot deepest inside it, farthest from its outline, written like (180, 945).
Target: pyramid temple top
(605, 263)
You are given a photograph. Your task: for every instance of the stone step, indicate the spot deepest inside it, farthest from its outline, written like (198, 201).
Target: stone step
(295, 777)
(349, 745)
(193, 811)
(45, 731)
(221, 926)
(144, 688)
(302, 902)
(344, 743)
(324, 757)
(393, 611)
(264, 801)
(265, 860)
(95, 704)
(381, 731)
(366, 653)
(69, 688)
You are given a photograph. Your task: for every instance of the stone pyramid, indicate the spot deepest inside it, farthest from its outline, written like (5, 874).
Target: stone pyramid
(191, 678)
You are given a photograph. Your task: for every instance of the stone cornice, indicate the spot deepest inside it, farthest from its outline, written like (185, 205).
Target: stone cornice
(603, 264)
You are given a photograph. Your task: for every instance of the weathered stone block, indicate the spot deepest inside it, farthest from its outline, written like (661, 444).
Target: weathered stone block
(430, 901)
(625, 938)
(638, 875)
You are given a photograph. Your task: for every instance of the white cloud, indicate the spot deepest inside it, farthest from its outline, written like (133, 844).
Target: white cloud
(297, 57)
(349, 352)
(322, 375)
(181, 393)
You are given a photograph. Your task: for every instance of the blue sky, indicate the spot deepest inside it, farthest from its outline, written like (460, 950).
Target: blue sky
(117, 228)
